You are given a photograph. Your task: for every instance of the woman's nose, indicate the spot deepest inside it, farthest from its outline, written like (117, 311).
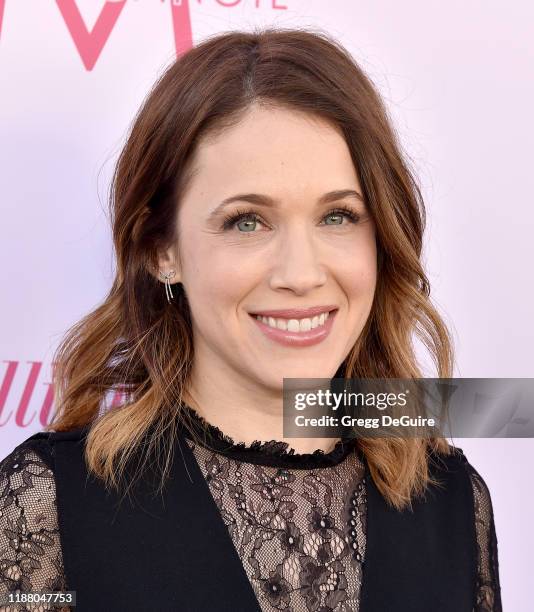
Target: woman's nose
(297, 264)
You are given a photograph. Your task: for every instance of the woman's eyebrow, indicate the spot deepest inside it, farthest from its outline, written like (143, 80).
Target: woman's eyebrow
(265, 200)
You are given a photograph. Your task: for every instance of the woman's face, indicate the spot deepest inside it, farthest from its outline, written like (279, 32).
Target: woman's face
(291, 252)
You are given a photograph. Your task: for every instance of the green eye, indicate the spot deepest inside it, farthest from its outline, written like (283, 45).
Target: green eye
(246, 218)
(340, 213)
(335, 216)
(248, 224)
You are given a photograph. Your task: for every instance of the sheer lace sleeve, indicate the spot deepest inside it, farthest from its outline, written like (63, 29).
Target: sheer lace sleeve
(30, 550)
(488, 589)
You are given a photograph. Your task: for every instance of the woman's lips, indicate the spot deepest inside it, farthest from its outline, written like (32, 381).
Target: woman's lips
(296, 313)
(297, 339)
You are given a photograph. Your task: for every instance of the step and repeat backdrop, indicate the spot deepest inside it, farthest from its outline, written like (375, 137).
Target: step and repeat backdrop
(457, 79)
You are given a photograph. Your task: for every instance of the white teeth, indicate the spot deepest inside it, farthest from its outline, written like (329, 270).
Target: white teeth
(305, 325)
(295, 325)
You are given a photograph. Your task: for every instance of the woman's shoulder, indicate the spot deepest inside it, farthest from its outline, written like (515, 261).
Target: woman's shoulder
(481, 492)
(34, 450)
(27, 470)
(32, 462)
(27, 473)
(460, 470)
(457, 462)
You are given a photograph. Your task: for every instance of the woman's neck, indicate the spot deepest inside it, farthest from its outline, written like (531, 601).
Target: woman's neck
(248, 423)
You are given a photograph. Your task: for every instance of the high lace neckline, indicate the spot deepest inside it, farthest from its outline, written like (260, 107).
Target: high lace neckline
(267, 453)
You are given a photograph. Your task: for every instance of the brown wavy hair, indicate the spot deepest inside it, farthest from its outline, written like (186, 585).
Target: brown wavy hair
(138, 343)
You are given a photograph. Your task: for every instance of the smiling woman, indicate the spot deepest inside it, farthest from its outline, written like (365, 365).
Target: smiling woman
(266, 226)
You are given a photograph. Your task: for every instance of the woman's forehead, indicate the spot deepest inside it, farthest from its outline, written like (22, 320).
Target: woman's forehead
(274, 151)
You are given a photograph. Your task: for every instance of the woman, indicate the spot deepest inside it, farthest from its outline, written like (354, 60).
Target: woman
(266, 226)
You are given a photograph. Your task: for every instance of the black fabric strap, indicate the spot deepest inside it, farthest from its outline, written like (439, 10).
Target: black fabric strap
(146, 554)
(425, 560)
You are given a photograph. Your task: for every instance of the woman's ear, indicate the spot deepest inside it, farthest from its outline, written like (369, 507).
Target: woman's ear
(167, 263)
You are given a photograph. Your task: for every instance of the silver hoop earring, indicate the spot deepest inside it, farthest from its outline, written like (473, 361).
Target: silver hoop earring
(167, 276)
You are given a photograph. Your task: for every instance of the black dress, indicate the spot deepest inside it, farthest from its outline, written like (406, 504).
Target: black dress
(278, 530)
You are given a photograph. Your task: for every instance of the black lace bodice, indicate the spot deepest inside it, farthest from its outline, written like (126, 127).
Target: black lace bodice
(297, 521)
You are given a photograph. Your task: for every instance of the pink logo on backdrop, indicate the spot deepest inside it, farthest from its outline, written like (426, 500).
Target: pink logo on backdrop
(34, 402)
(90, 43)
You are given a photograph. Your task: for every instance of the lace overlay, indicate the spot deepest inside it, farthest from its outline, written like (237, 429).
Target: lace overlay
(30, 549)
(488, 586)
(300, 533)
(297, 522)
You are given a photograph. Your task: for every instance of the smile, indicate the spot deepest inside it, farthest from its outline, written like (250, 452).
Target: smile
(295, 325)
(296, 332)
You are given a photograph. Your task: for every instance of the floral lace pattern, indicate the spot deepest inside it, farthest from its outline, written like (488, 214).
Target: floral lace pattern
(488, 585)
(298, 523)
(300, 533)
(30, 550)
